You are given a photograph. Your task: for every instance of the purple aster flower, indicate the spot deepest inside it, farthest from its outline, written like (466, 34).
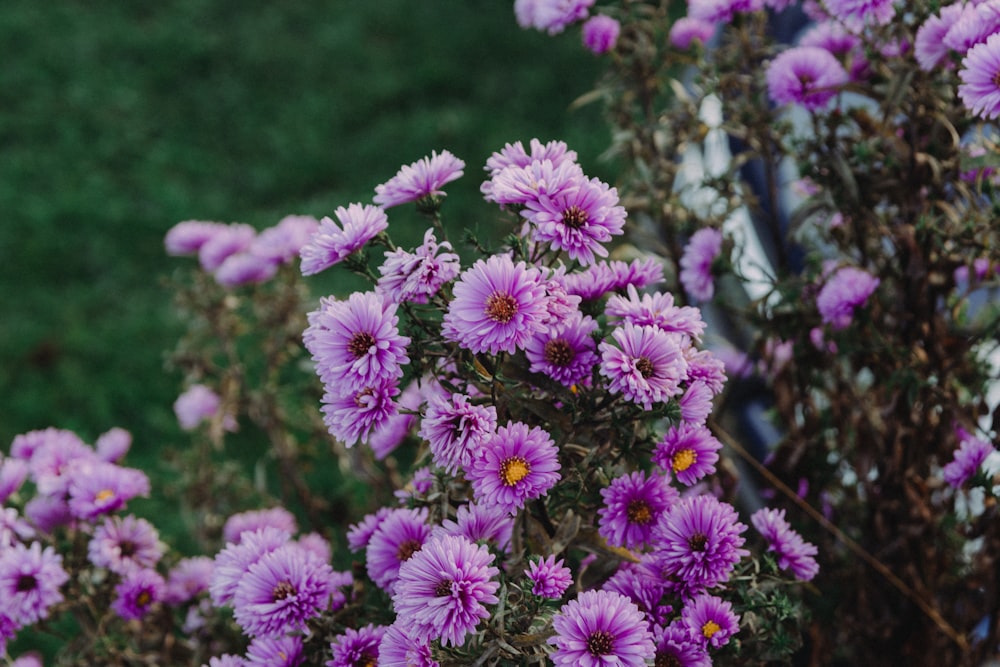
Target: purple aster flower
(696, 263)
(969, 456)
(549, 577)
(677, 645)
(478, 523)
(280, 651)
(283, 242)
(195, 405)
(710, 619)
(550, 15)
(972, 25)
(48, 512)
(233, 562)
(281, 591)
(686, 30)
(25, 445)
(27, 660)
(400, 535)
(13, 528)
(578, 219)
(8, 628)
(121, 544)
(698, 543)
(792, 551)
(600, 33)
(980, 73)
(357, 648)
(102, 488)
(657, 310)
(633, 504)
(391, 433)
(515, 155)
(30, 579)
(598, 629)
(498, 305)
(355, 415)
(188, 579)
(340, 584)
(604, 277)
(331, 244)
(566, 353)
(842, 43)
(518, 463)
(856, 13)
(317, 545)
(420, 485)
(359, 534)
(518, 184)
(138, 590)
(54, 461)
(442, 591)
(647, 365)
(252, 520)
(689, 451)
(399, 649)
(705, 366)
(455, 429)
(639, 585)
(416, 276)
(13, 472)
(112, 445)
(245, 268)
(696, 403)
(187, 238)
(721, 11)
(423, 178)
(226, 660)
(228, 240)
(843, 293)
(805, 75)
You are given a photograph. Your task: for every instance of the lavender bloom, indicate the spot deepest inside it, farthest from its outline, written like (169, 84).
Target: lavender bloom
(357, 648)
(47, 512)
(566, 353)
(696, 403)
(689, 451)
(442, 591)
(283, 242)
(600, 33)
(639, 584)
(704, 366)
(27, 444)
(112, 445)
(686, 30)
(188, 579)
(281, 651)
(253, 520)
(515, 155)
(980, 72)
(102, 488)
(399, 649)
(391, 433)
(647, 366)
(973, 25)
(710, 619)
(721, 11)
(331, 244)
(696, 263)
(228, 240)
(353, 416)
(805, 75)
(400, 535)
(549, 577)
(53, 462)
(419, 275)
(969, 456)
(245, 268)
(677, 645)
(233, 562)
(792, 551)
(13, 528)
(187, 238)
(30, 579)
(477, 523)
(550, 15)
(138, 590)
(633, 505)
(455, 429)
(196, 404)
(360, 533)
(122, 544)
(856, 13)
(522, 184)
(423, 178)
(656, 310)
(13, 472)
(598, 629)
(605, 277)
(518, 463)
(844, 292)
(26, 660)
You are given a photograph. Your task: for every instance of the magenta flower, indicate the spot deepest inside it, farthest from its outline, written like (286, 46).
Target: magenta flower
(477, 523)
(13, 472)
(969, 456)
(643, 587)
(138, 590)
(54, 462)
(551, 16)
(423, 178)
(252, 520)
(245, 268)
(188, 579)
(647, 365)
(30, 579)
(279, 651)
(696, 403)
(710, 619)
(102, 488)
(113, 444)
(604, 277)
(515, 155)
(331, 244)
(689, 451)
(400, 535)
(196, 404)
(359, 534)
(599, 629)
(518, 463)
(843, 293)
(721, 11)
(232, 563)
(357, 648)
(517, 184)
(455, 429)
(566, 353)
(805, 75)
(856, 13)
(549, 577)
(399, 649)
(980, 73)
(686, 30)
(656, 310)
(187, 238)
(13, 529)
(497, 306)
(791, 550)
(633, 504)
(283, 242)
(973, 25)
(696, 263)
(226, 241)
(353, 416)
(416, 276)
(600, 33)
(677, 645)
(121, 544)
(929, 47)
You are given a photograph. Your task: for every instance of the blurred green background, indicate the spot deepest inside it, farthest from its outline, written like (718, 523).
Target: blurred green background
(119, 119)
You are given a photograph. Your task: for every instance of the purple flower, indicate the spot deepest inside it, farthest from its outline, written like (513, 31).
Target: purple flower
(647, 365)
(792, 551)
(676, 645)
(856, 13)
(355, 415)
(689, 451)
(47, 512)
(281, 591)
(980, 72)
(633, 504)
(112, 445)
(245, 268)
(138, 590)
(196, 404)
(686, 30)
(479, 523)
(121, 544)
(226, 241)
(710, 619)
(518, 463)
(283, 242)
(600, 33)
(721, 11)
(188, 579)
(699, 543)
(498, 305)
(252, 520)
(400, 535)
(27, 444)
(605, 277)
(657, 310)
(102, 488)
(357, 648)
(280, 651)
(13, 472)
(53, 463)
(696, 403)
(696, 263)
(973, 25)
(391, 433)
(30, 579)
(399, 649)
(187, 238)
(423, 178)
(641, 586)
(805, 75)
(514, 155)
(331, 244)
(969, 456)
(599, 629)
(317, 545)
(517, 184)
(233, 562)
(549, 577)
(455, 429)
(550, 15)
(360, 533)
(442, 591)
(13, 528)
(419, 275)
(844, 292)
(566, 353)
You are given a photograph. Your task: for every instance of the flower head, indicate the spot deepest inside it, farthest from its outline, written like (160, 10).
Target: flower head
(30, 579)
(566, 353)
(233, 562)
(416, 276)
(600, 33)
(399, 535)
(125, 543)
(423, 178)
(102, 488)
(186, 238)
(696, 263)
(971, 454)
(477, 523)
(792, 551)
(189, 578)
(455, 429)
(686, 30)
(252, 520)
(633, 505)
(228, 240)
(857, 13)
(614, 276)
(138, 590)
(331, 243)
(275, 651)
(710, 619)
(805, 75)
(518, 463)
(549, 577)
(197, 403)
(980, 74)
(647, 365)
(677, 645)
(843, 293)
(550, 15)
(354, 416)
(689, 451)
(598, 629)
(399, 649)
(357, 648)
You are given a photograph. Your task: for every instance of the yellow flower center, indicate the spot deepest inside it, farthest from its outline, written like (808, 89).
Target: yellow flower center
(638, 511)
(104, 494)
(709, 629)
(684, 459)
(144, 598)
(513, 470)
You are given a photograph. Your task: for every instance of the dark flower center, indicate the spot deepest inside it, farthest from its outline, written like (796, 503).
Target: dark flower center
(501, 307)
(559, 353)
(143, 598)
(644, 366)
(128, 548)
(639, 512)
(996, 79)
(600, 643)
(443, 589)
(26, 582)
(359, 398)
(360, 344)
(365, 660)
(664, 659)
(697, 541)
(574, 217)
(513, 470)
(407, 549)
(283, 590)
(806, 80)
